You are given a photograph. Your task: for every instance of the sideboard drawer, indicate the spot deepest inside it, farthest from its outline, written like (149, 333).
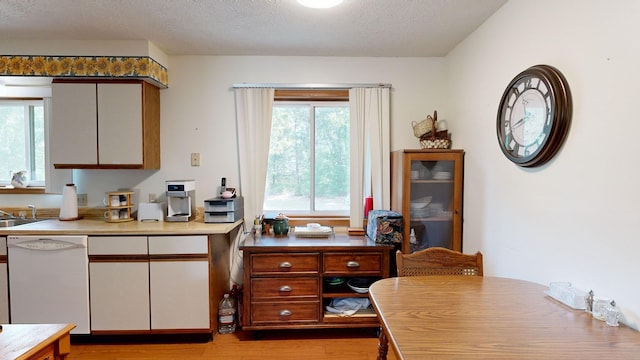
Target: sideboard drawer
(353, 263)
(285, 312)
(285, 263)
(285, 288)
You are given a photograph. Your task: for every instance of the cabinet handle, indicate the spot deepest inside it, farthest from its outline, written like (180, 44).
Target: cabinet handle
(285, 264)
(285, 288)
(353, 264)
(285, 312)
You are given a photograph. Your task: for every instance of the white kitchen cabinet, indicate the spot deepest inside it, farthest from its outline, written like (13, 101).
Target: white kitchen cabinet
(119, 289)
(179, 282)
(74, 126)
(105, 125)
(118, 245)
(4, 285)
(179, 294)
(119, 296)
(120, 123)
(149, 283)
(162, 245)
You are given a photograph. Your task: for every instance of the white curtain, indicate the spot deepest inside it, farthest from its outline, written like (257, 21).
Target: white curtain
(254, 108)
(370, 153)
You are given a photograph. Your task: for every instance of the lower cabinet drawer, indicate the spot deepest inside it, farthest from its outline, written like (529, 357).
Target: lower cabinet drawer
(285, 263)
(285, 288)
(285, 312)
(356, 263)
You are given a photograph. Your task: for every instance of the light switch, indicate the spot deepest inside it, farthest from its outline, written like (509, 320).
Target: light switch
(195, 159)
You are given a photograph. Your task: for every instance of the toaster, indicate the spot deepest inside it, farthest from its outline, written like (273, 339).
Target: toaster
(151, 211)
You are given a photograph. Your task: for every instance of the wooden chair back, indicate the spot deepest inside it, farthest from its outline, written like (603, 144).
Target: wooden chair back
(438, 261)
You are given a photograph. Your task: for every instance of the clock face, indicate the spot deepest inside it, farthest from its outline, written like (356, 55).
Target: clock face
(533, 116)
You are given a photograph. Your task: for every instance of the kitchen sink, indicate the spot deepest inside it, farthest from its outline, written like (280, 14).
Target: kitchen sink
(16, 222)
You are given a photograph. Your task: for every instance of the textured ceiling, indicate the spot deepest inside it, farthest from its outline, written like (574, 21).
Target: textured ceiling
(372, 28)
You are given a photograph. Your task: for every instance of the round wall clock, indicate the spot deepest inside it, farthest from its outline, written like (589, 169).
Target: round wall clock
(534, 116)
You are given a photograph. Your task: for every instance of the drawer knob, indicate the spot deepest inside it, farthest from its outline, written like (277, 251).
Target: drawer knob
(285, 264)
(353, 264)
(285, 312)
(285, 288)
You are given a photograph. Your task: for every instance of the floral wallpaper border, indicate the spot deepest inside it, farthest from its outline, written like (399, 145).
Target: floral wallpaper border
(124, 67)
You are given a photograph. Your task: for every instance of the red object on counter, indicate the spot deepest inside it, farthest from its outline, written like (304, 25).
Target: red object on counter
(368, 206)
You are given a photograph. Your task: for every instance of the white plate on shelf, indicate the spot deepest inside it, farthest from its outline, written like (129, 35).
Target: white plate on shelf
(442, 176)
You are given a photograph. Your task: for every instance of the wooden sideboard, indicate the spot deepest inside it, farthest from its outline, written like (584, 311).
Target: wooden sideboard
(35, 341)
(284, 280)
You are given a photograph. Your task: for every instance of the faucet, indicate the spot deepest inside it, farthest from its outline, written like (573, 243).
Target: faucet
(33, 211)
(7, 214)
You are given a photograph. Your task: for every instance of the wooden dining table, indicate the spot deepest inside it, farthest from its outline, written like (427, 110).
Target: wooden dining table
(35, 341)
(476, 317)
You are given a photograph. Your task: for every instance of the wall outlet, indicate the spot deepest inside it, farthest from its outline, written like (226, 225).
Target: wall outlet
(82, 200)
(152, 197)
(195, 159)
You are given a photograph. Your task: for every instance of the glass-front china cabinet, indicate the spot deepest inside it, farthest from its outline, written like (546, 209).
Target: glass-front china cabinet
(426, 188)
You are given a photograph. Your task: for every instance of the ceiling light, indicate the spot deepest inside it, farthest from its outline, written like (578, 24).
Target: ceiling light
(320, 4)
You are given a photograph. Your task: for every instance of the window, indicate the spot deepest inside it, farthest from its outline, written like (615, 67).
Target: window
(308, 169)
(22, 140)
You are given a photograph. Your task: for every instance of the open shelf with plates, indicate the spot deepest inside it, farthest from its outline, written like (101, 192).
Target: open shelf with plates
(343, 289)
(427, 190)
(344, 292)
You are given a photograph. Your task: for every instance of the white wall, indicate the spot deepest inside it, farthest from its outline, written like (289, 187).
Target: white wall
(575, 218)
(198, 112)
(198, 115)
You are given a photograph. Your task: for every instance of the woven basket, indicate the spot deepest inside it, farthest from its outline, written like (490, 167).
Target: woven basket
(435, 143)
(435, 139)
(425, 126)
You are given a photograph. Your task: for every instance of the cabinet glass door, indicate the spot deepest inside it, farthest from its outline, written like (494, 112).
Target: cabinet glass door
(431, 204)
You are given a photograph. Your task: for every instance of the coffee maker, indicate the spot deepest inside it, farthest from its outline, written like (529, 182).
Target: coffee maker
(181, 200)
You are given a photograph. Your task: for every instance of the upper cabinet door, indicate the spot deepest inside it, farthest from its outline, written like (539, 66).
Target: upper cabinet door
(73, 124)
(105, 124)
(120, 124)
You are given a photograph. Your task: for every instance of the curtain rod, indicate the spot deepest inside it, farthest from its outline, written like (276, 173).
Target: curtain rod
(310, 86)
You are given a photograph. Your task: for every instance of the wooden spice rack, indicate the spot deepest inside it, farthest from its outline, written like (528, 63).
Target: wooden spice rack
(124, 206)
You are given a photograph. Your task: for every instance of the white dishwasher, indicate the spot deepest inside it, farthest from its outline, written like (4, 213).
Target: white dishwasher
(49, 280)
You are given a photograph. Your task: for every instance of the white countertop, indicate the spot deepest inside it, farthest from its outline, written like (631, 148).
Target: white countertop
(101, 227)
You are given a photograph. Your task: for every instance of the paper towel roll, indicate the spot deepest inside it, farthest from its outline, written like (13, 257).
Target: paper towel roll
(69, 208)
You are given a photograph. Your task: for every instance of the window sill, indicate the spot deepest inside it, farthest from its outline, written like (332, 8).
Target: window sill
(327, 221)
(4, 190)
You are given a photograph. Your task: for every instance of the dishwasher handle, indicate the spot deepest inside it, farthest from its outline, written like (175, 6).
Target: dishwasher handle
(45, 244)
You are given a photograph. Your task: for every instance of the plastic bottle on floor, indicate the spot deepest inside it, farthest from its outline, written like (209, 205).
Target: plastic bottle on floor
(236, 296)
(226, 316)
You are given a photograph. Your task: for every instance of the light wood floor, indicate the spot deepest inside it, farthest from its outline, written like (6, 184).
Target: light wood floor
(343, 344)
